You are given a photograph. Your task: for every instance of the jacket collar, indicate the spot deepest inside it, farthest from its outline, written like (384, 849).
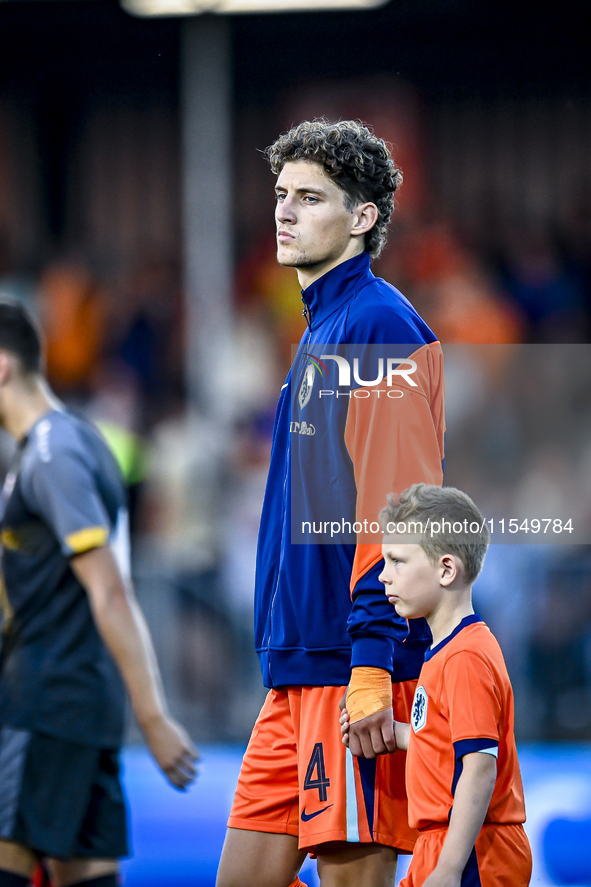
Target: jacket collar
(335, 288)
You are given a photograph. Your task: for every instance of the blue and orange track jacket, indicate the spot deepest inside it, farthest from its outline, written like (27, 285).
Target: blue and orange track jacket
(319, 608)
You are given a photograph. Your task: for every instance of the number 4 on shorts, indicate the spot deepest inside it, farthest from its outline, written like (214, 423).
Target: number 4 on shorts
(316, 764)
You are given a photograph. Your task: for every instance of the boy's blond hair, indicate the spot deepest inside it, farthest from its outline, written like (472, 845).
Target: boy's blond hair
(446, 521)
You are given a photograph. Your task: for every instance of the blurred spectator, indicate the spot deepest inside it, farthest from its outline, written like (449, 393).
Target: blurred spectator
(547, 486)
(183, 535)
(183, 496)
(506, 595)
(261, 281)
(254, 375)
(146, 333)
(575, 242)
(549, 294)
(242, 511)
(12, 282)
(73, 313)
(558, 662)
(114, 406)
(249, 465)
(465, 308)
(450, 288)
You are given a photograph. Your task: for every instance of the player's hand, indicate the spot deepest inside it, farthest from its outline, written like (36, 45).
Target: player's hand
(344, 721)
(173, 751)
(373, 736)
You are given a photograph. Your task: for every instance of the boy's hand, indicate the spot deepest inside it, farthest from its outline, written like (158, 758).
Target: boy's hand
(471, 801)
(372, 736)
(344, 721)
(401, 731)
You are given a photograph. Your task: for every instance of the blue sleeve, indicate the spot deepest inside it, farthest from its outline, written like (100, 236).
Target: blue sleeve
(381, 315)
(380, 637)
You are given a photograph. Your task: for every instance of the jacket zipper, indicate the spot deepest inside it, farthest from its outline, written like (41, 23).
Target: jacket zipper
(308, 315)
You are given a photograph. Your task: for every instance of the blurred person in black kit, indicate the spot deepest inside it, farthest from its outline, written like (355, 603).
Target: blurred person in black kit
(74, 638)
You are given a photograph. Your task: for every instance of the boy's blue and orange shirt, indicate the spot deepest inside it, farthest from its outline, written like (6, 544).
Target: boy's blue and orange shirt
(463, 704)
(337, 451)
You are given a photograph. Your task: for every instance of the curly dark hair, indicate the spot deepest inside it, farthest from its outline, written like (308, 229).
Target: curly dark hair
(357, 161)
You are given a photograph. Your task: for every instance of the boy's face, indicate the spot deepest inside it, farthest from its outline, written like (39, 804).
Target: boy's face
(314, 228)
(412, 582)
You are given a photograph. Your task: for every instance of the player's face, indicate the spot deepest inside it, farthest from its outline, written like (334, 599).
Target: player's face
(315, 231)
(412, 582)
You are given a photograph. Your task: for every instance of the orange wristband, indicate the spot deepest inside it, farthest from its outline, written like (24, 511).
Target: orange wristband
(369, 692)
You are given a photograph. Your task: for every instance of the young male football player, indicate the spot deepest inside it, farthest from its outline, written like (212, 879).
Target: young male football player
(322, 623)
(464, 786)
(73, 637)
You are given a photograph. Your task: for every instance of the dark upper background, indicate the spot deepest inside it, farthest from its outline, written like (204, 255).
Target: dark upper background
(61, 60)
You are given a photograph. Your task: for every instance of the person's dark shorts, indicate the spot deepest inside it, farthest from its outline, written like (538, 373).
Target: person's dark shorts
(59, 798)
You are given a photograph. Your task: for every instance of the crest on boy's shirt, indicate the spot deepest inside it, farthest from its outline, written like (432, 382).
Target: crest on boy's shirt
(306, 387)
(418, 716)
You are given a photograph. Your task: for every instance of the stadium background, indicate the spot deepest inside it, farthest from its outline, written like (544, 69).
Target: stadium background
(489, 107)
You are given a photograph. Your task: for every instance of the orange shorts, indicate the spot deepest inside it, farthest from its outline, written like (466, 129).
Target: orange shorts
(297, 777)
(501, 858)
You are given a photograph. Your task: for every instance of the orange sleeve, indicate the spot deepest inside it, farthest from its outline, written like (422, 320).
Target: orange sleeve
(471, 699)
(395, 437)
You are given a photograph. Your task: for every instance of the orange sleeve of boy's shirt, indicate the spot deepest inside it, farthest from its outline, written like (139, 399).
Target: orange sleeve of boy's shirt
(471, 700)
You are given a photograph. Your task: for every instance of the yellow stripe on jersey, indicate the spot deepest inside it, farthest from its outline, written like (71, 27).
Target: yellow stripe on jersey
(90, 537)
(9, 539)
(5, 607)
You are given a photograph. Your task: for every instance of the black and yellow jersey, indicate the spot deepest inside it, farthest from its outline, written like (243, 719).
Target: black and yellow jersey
(62, 497)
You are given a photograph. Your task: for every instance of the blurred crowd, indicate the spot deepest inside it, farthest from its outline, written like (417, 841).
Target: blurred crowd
(518, 441)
